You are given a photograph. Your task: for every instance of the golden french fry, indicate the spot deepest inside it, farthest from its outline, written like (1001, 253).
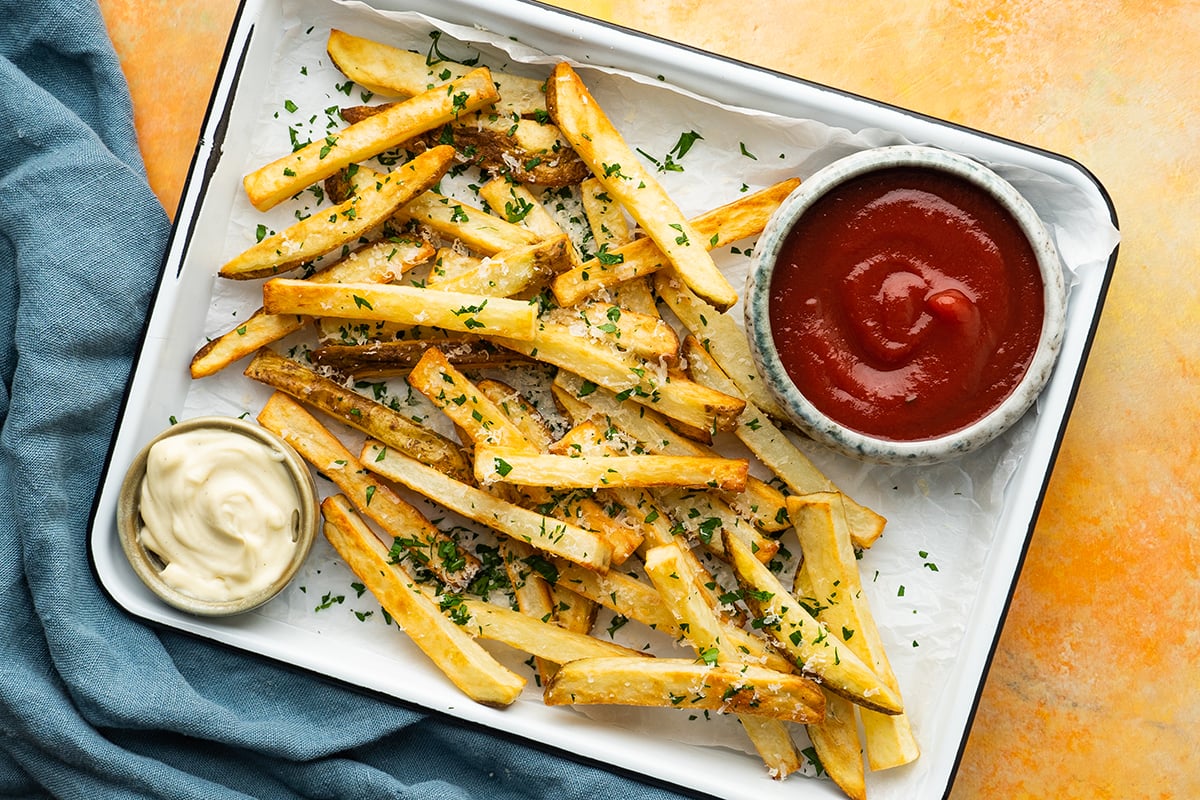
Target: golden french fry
(428, 546)
(509, 272)
(606, 218)
(776, 451)
(831, 570)
(816, 649)
(452, 311)
(515, 203)
(396, 359)
(342, 224)
(591, 134)
(474, 227)
(683, 683)
(494, 464)
(548, 534)
(629, 377)
(460, 658)
(273, 183)
(373, 418)
(531, 590)
(391, 71)
(746, 216)
(644, 335)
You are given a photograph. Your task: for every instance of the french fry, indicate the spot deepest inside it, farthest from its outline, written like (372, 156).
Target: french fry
(683, 683)
(531, 590)
(543, 640)
(549, 535)
(515, 203)
(816, 649)
(452, 311)
(474, 227)
(494, 464)
(394, 429)
(760, 503)
(342, 224)
(591, 134)
(832, 572)
(746, 216)
(380, 262)
(396, 359)
(428, 546)
(635, 379)
(606, 218)
(677, 585)
(460, 658)
(644, 335)
(273, 183)
(509, 272)
(777, 452)
(394, 72)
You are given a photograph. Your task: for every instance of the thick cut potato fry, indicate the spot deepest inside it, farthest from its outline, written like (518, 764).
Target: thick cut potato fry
(776, 451)
(494, 464)
(515, 203)
(541, 639)
(452, 311)
(509, 272)
(721, 338)
(606, 218)
(396, 359)
(761, 504)
(746, 216)
(394, 429)
(629, 377)
(474, 227)
(549, 535)
(342, 224)
(273, 183)
(460, 658)
(531, 590)
(644, 335)
(390, 71)
(591, 134)
(380, 262)
(831, 570)
(816, 649)
(678, 587)
(429, 547)
(683, 683)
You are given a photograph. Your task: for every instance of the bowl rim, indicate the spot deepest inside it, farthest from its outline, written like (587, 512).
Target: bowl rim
(129, 518)
(864, 446)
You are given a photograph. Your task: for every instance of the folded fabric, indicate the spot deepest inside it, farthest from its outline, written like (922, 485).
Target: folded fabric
(94, 703)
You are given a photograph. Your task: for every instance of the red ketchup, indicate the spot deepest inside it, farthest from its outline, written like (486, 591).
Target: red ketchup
(906, 304)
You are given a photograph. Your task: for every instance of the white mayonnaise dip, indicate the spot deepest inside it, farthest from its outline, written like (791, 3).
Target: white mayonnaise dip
(220, 510)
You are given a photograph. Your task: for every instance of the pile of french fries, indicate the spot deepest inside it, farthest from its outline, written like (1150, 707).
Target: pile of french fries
(648, 372)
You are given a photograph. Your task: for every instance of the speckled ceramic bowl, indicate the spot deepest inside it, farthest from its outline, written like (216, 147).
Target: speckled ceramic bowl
(149, 566)
(865, 447)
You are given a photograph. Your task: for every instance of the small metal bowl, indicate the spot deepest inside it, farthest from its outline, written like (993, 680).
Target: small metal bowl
(149, 566)
(829, 431)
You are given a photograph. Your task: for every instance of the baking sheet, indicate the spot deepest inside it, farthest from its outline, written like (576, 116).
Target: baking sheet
(938, 581)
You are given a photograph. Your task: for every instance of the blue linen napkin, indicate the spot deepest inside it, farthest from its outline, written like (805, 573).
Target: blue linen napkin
(94, 704)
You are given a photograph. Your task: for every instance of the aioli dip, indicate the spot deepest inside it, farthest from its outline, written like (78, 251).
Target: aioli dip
(906, 303)
(220, 510)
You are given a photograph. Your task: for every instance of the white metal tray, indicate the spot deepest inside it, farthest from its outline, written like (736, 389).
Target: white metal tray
(939, 581)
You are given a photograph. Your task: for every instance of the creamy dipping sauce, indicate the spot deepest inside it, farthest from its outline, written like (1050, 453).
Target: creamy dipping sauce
(221, 511)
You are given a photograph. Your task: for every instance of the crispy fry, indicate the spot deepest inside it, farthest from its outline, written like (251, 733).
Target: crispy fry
(644, 335)
(816, 649)
(342, 224)
(372, 418)
(494, 464)
(732, 222)
(515, 203)
(773, 448)
(599, 144)
(396, 359)
(390, 71)
(550, 535)
(683, 683)
(544, 640)
(635, 379)
(452, 311)
(508, 273)
(531, 590)
(606, 218)
(273, 183)
(474, 227)
(831, 569)
(471, 668)
(429, 547)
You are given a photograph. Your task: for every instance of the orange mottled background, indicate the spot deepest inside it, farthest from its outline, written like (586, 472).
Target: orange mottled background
(1095, 689)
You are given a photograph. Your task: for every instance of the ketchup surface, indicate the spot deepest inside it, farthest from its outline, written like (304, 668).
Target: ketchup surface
(906, 304)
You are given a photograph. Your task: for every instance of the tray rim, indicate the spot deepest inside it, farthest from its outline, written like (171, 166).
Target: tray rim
(204, 163)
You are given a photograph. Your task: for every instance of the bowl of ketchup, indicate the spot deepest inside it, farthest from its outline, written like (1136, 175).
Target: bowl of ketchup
(905, 305)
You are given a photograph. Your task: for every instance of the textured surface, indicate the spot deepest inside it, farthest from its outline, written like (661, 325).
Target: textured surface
(1094, 691)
